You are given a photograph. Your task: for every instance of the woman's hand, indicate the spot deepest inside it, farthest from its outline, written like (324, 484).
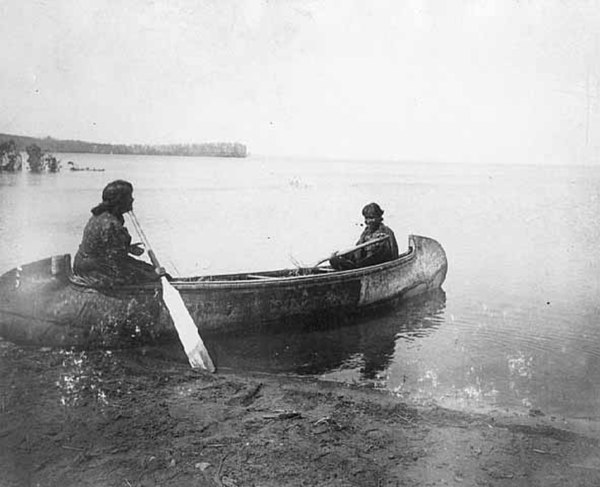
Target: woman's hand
(136, 249)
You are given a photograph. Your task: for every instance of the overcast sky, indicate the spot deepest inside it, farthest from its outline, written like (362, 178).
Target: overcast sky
(465, 81)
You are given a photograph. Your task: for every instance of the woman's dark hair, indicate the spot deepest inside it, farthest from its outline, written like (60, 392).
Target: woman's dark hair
(113, 196)
(372, 210)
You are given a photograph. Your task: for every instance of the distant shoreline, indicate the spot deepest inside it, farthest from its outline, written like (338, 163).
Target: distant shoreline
(207, 149)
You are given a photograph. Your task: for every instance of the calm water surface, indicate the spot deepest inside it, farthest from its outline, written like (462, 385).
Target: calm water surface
(517, 326)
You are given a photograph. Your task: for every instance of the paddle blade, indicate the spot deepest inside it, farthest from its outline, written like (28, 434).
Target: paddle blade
(186, 328)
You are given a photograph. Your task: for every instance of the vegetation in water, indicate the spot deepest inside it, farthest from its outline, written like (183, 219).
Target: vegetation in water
(51, 163)
(10, 157)
(39, 161)
(34, 158)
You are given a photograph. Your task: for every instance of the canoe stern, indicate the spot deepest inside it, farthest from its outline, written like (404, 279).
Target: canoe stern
(41, 306)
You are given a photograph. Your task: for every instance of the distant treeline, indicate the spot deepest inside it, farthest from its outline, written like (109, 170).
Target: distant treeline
(209, 149)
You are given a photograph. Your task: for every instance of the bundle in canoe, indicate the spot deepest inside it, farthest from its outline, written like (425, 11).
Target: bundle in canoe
(44, 303)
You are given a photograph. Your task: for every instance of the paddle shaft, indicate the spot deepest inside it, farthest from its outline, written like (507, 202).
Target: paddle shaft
(151, 254)
(353, 249)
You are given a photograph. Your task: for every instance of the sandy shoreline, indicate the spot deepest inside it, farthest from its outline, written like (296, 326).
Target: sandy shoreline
(147, 422)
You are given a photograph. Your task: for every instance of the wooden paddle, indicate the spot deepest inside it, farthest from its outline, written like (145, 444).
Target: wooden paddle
(352, 249)
(184, 324)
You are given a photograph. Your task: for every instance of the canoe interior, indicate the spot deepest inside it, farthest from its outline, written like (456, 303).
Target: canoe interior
(276, 274)
(257, 276)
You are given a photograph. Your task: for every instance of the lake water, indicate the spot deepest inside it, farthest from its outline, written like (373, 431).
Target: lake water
(517, 326)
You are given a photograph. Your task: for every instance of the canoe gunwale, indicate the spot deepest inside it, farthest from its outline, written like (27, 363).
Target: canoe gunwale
(205, 283)
(298, 280)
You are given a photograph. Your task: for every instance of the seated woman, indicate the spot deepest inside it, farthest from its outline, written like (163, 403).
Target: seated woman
(378, 253)
(103, 258)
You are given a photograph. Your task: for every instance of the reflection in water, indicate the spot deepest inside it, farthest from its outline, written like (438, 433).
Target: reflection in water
(364, 343)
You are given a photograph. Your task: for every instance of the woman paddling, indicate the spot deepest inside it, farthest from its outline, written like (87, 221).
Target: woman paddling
(103, 258)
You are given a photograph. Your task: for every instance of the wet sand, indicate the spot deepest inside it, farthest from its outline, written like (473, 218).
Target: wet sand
(68, 419)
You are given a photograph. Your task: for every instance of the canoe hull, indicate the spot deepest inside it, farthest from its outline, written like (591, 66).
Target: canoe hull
(41, 303)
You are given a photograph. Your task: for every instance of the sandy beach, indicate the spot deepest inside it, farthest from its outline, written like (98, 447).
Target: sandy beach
(144, 422)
